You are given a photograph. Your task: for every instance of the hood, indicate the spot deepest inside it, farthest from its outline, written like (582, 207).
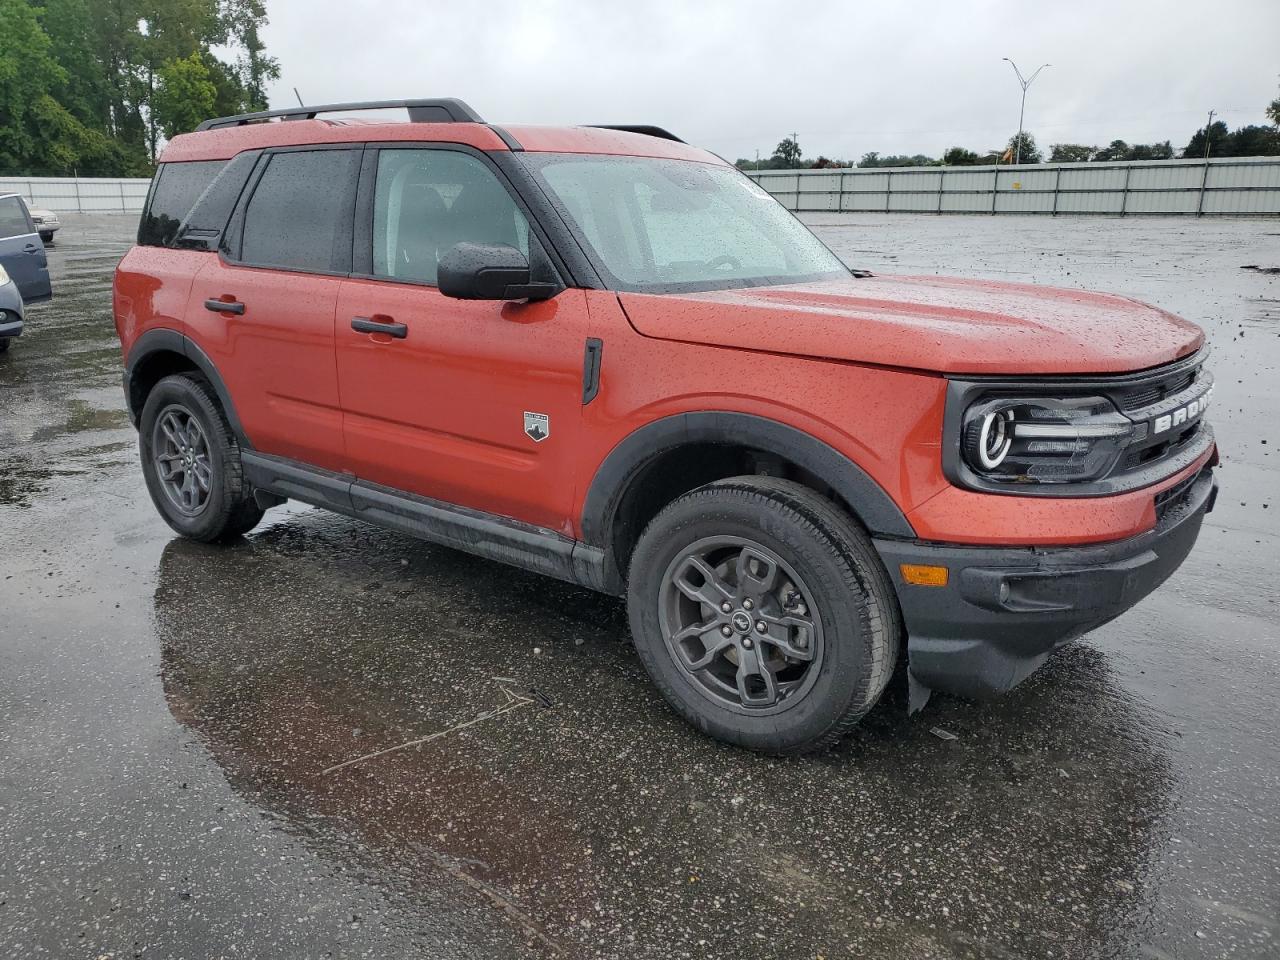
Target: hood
(937, 324)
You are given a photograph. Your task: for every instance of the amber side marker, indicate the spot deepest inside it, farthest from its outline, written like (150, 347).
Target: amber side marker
(923, 575)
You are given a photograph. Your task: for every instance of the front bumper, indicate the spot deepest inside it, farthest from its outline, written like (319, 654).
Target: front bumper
(1004, 610)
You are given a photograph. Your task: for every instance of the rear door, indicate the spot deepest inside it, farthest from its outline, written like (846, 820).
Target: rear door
(263, 309)
(22, 252)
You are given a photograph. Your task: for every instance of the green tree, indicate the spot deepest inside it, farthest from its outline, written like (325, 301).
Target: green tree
(1253, 141)
(184, 95)
(874, 159)
(102, 65)
(243, 20)
(786, 155)
(1152, 151)
(1071, 153)
(1115, 150)
(1217, 135)
(1273, 111)
(959, 157)
(1029, 153)
(38, 136)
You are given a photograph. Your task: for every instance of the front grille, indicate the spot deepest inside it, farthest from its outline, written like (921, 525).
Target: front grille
(1159, 394)
(1159, 387)
(1142, 456)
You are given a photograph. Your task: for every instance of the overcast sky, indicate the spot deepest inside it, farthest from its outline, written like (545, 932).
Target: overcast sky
(736, 76)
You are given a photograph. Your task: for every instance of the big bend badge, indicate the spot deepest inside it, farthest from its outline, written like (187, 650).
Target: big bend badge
(537, 426)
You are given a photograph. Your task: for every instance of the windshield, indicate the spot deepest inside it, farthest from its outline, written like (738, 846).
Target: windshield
(654, 225)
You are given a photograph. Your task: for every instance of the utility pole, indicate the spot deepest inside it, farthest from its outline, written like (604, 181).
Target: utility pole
(1024, 83)
(1204, 176)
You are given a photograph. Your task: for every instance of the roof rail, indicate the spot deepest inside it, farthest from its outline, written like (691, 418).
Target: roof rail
(647, 129)
(444, 110)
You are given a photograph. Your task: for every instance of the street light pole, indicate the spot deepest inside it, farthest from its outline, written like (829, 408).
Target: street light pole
(1024, 83)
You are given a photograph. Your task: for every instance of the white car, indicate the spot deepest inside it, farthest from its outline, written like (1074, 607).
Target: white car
(46, 222)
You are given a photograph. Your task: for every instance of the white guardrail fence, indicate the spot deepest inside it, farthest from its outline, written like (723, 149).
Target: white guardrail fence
(1242, 186)
(79, 194)
(1238, 186)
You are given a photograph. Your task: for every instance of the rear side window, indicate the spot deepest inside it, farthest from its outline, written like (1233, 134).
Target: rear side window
(174, 191)
(13, 219)
(299, 216)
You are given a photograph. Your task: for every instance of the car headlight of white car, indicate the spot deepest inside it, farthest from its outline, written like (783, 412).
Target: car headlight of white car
(4, 277)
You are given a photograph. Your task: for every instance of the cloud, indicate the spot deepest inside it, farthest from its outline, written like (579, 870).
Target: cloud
(848, 77)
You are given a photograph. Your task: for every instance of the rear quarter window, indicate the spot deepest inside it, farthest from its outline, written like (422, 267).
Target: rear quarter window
(174, 191)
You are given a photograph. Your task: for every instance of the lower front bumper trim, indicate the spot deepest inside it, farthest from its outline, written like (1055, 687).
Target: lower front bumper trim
(1004, 610)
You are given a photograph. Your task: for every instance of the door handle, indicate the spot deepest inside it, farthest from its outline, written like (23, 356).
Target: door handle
(389, 327)
(224, 306)
(32, 248)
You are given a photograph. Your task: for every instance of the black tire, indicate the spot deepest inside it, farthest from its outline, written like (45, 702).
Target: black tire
(855, 617)
(47, 238)
(227, 508)
(4, 344)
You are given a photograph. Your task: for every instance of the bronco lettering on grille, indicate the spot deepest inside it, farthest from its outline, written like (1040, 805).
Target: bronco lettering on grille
(1183, 414)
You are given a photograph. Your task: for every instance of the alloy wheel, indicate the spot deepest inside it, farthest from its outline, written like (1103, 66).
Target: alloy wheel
(741, 624)
(182, 461)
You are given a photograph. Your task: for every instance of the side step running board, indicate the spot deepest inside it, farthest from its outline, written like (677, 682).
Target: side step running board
(486, 535)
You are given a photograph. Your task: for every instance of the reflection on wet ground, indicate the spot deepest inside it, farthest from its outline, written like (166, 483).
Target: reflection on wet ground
(170, 715)
(600, 815)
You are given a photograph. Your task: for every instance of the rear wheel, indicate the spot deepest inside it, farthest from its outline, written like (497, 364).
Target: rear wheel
(763, 614)
(191, 462)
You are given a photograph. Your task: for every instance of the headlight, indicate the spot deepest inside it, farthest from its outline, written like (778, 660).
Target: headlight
(4, 277)
(1040, 440)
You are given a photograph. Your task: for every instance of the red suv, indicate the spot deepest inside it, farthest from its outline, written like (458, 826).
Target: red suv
(604, 355)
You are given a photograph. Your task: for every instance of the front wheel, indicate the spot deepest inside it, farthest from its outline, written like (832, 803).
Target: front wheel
(763, 614)
(191, 462)
(4, 344)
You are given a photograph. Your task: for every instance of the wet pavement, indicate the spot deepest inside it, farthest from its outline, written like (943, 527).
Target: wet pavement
(171, 714)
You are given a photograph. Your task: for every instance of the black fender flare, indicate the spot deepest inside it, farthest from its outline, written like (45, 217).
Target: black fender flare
(873, 506)
(164, 340)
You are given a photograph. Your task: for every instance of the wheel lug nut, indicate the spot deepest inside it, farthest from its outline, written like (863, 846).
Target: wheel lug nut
(761, 626)
(726, 607)
(747, 604)
(727, 630)
(746, 642)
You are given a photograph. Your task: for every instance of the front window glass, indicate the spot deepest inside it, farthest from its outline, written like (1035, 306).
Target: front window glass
(427, 201)
(654, 224)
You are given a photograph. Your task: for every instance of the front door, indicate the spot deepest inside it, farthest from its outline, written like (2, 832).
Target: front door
(474, 403)
(22, 252)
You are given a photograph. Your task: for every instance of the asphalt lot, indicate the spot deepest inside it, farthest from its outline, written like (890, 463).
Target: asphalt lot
(168, 711)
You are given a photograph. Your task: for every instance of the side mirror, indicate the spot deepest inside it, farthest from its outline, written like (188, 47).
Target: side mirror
(489, 271)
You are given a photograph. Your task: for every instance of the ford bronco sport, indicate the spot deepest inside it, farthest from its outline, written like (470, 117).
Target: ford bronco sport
(606, 356)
